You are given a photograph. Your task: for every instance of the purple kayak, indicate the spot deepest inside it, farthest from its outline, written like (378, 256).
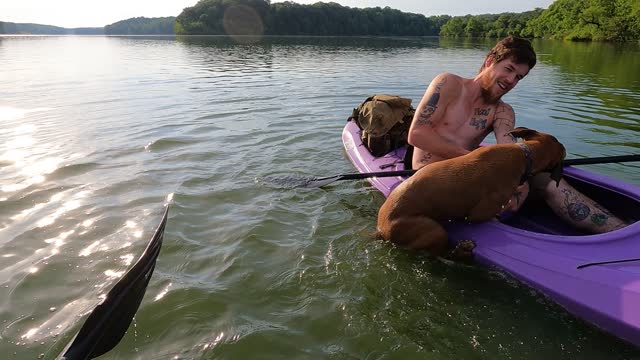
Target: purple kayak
(542, 251)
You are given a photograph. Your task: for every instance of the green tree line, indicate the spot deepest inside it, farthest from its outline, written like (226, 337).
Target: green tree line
(489, 25)
(20, 28)
(142, 26)
(134, 26)
(290, 18)
(617, 20)
(608, 20)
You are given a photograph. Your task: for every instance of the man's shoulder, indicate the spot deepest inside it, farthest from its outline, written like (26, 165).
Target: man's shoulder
(502, 107)
(448, 81)
(449, 76)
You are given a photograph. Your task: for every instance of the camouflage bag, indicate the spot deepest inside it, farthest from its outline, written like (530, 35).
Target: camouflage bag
(385, 121)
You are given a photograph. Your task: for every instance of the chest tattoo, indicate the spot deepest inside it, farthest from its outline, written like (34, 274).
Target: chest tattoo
(479, 121)
(479, 124)
(482, 111)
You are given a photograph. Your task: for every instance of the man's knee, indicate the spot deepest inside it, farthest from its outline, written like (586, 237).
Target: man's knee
(543, 184)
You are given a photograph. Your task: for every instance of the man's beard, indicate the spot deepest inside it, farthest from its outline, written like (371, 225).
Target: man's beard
(490, 96)
(487, 94)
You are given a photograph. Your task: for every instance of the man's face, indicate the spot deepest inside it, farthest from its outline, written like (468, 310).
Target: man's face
(501, 77)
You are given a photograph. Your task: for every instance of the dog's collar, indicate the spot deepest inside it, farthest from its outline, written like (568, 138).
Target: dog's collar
(528, 161)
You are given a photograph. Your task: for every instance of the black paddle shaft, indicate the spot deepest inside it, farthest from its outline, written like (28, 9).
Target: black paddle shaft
(318, 182)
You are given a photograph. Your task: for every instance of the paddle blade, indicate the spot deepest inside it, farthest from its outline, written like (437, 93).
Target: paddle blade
(109, 321)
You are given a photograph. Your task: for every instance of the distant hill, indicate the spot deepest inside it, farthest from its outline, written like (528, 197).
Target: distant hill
(133, 26)
(142, 26)
(38, 29)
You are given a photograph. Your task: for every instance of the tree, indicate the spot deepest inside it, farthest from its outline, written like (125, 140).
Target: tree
(615, 20)
(289, 18)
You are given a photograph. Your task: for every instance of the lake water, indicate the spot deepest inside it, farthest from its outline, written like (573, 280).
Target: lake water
(95, 132)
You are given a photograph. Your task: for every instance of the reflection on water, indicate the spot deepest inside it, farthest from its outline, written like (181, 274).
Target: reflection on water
(98, 130)
(613, 66)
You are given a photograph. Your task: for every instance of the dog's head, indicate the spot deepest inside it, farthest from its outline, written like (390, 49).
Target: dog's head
(547, 152)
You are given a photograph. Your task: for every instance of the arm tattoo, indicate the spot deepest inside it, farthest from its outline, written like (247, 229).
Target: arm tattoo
(505, 118)
(424, 116)
(428, 110)
(426, 157)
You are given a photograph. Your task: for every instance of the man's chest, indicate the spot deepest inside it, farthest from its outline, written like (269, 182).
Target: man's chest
(475, 120)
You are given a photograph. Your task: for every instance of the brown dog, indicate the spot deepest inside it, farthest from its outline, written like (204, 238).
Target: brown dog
(474, 187)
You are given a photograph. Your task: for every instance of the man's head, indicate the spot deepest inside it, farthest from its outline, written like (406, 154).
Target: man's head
(515, 48)
(504, 66)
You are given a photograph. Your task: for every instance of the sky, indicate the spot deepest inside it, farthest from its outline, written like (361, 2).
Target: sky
(88, 13)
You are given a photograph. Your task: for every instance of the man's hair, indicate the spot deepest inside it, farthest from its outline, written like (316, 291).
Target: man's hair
(518, 49)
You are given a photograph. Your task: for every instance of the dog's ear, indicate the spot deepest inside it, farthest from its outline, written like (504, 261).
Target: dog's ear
(522, 132)
(557, 172)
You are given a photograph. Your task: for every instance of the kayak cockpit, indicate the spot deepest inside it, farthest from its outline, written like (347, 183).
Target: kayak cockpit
(536, 216)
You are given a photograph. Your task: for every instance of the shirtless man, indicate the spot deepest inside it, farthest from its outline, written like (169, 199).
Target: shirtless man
(456, 114)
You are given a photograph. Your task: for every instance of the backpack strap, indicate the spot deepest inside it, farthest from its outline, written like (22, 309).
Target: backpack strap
(408, 158)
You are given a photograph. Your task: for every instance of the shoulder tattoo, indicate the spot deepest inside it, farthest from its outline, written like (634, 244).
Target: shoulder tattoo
(424, 115)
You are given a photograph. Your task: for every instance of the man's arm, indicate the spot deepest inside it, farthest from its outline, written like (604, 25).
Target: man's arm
(505, 121)
(430, 113)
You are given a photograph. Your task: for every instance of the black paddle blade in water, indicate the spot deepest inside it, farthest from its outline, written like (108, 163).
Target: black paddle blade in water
(109, 321)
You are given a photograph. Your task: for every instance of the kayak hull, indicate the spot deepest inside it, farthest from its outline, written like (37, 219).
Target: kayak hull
(541, 251)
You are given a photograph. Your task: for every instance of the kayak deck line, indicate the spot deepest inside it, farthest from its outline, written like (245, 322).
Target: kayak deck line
(607, 263)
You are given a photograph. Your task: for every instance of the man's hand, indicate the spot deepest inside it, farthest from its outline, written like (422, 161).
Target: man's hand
(517, 199)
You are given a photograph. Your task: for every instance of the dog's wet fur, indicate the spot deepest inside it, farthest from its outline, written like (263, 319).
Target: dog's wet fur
(472, 188)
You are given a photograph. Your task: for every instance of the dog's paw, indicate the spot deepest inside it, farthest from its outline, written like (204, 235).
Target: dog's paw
(463, 251)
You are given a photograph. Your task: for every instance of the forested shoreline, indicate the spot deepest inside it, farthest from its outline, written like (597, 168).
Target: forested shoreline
(578, 20)
(39, 29)
(260, 17)
(142, 26)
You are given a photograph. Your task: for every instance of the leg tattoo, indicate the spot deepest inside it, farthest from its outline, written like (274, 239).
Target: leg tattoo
(579, 211)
